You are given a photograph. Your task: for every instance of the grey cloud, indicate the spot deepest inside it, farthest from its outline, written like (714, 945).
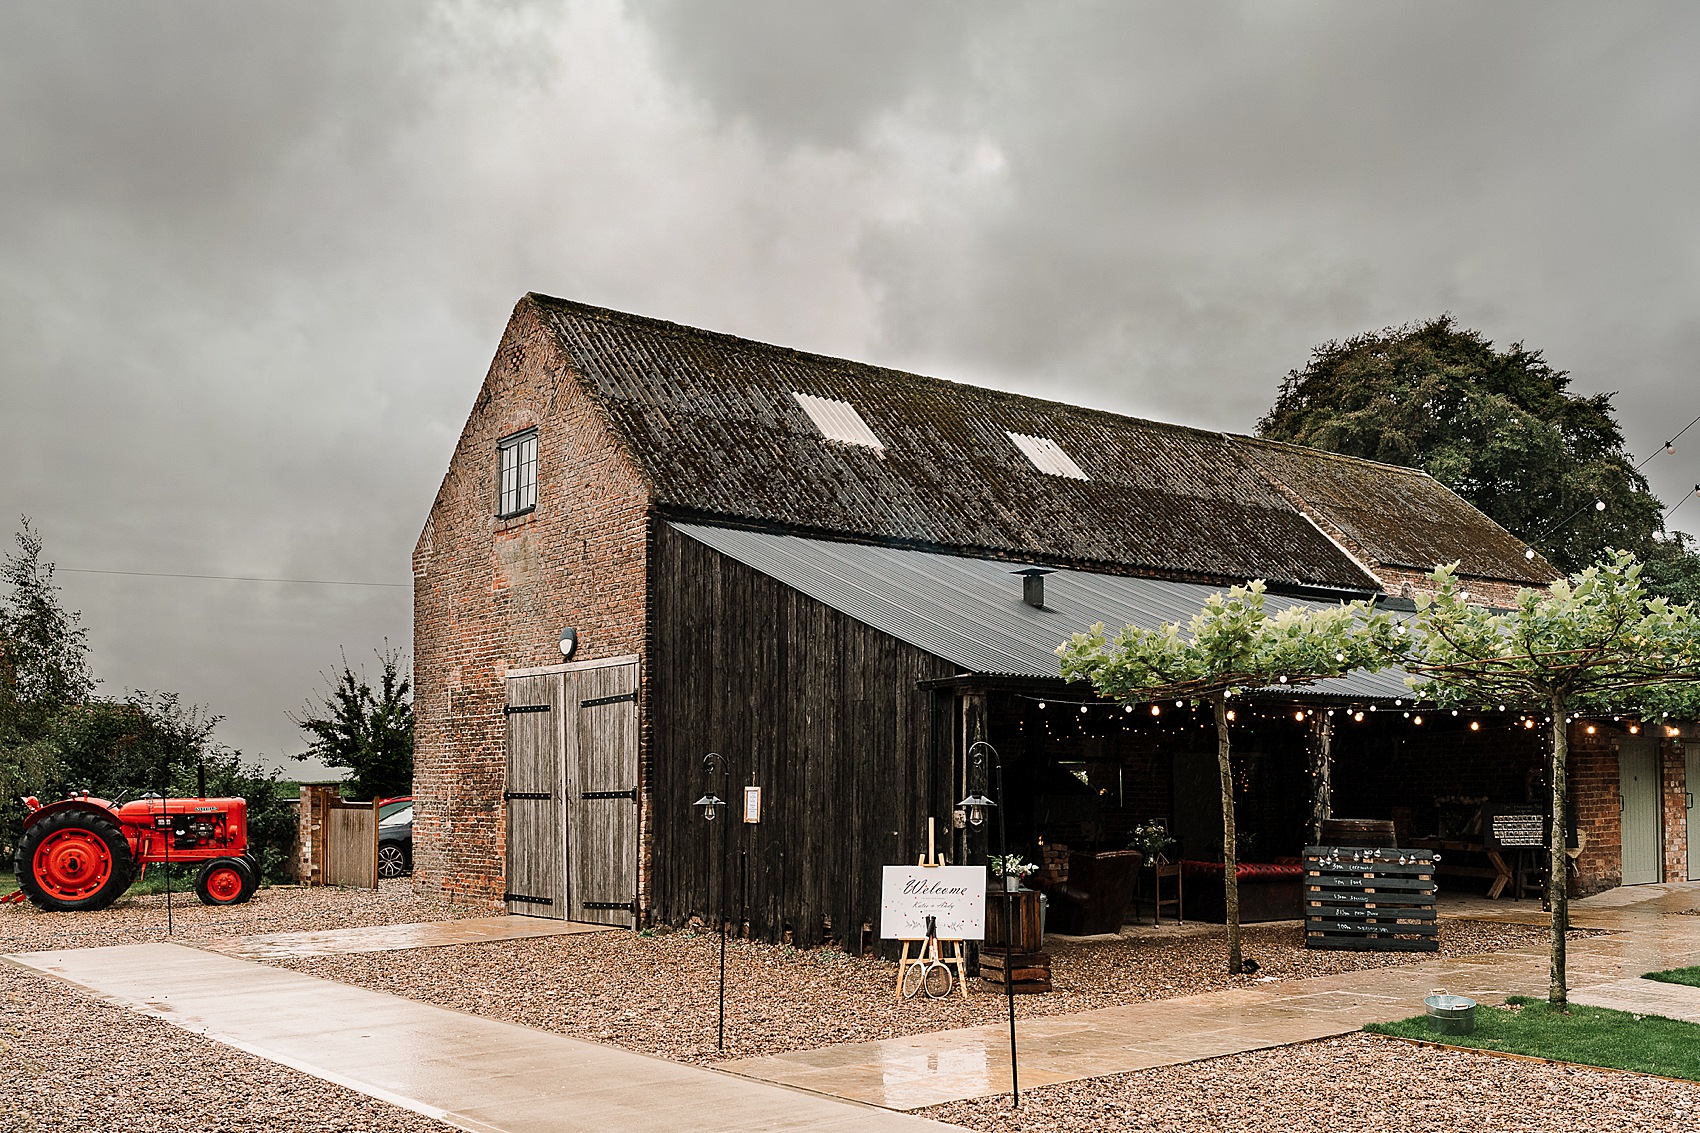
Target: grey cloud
(254, 259)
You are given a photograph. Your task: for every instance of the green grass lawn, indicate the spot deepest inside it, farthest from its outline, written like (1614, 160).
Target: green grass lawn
(1689, 976)
(8, 882)
(1593, 1036)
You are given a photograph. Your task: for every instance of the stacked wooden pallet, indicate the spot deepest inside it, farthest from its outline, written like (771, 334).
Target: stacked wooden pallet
(1031, 971)
(1370, 899)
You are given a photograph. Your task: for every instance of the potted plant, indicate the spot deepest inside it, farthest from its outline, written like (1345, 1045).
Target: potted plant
(1012, 868)
(1151, 839)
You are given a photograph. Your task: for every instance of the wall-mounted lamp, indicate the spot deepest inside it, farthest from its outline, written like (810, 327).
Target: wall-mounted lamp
(569, 642)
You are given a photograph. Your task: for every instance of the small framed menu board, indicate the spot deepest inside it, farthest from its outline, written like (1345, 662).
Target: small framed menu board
(1515, 828)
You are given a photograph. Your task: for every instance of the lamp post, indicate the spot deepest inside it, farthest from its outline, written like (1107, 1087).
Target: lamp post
(711, 805)
(976, 805)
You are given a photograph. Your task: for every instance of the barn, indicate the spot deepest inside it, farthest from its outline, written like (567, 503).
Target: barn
(654, 543)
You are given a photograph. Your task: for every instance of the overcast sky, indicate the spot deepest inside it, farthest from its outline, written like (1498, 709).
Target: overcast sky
(255, 258)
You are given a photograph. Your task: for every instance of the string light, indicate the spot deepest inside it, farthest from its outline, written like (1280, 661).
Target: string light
(1299, 716)
(1358, 716)
(1418, 721)
(1634, 729)
(1590, 729)
(1475, 725)
(1230, 713)
(1156, 711)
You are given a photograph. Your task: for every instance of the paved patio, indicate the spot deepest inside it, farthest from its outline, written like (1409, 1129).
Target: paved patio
(923, 1070)
(473, 1073)
(389, 938)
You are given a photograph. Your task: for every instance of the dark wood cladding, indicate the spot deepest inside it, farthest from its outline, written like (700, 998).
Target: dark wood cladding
(820, 711)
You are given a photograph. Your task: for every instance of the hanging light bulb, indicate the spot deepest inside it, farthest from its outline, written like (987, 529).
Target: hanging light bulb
(1475, 725)
(1299, 716)
(1230, 713)
(1417, 721)
(1358, 716)
(1041, 706)
(1156, 711)
(1128, 710)
(1083, 709)
(1600, 505)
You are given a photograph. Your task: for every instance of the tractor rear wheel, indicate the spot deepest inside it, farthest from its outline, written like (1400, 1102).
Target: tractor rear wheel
(74, 860)
(225, 881)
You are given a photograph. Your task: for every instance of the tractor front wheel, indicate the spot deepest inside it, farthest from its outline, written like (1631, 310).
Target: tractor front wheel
(225, 881)
(74, 860)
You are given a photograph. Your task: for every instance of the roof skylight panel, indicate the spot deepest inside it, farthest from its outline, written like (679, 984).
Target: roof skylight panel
(1047, 456)
(838, 421)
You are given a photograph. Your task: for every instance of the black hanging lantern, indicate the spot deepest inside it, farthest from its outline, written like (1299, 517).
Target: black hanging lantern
(976, 806)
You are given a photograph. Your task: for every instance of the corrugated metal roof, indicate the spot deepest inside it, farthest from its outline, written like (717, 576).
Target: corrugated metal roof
(969, 611)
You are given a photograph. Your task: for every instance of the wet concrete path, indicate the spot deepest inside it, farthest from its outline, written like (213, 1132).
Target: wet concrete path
(474, 1073)
(1650, 933)
(392, 937)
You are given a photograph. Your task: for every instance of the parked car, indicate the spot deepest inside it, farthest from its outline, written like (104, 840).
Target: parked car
(395, 838)
(389, 806)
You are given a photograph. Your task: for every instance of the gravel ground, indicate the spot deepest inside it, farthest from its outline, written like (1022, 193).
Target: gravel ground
(657, 994)
(1355, 1082)
(69, 1062)
(137, 920)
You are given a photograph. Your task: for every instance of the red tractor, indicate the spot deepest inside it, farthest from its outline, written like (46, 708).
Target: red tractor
(83, 852)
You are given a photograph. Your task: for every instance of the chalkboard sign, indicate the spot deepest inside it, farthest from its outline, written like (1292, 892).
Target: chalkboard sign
(1514, 830)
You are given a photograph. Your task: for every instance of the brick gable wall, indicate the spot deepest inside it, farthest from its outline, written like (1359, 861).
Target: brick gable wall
(492, 595)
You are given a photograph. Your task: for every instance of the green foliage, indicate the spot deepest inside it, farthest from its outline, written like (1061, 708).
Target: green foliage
(1672, 568)
(57, 737)
(1497, 427)
(1591, 1036)
(1229, 646)
(1592, 642)
(1232, 645)
(43, 648)
(368, 731)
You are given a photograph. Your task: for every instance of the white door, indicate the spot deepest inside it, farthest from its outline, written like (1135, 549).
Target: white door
(1638, 789)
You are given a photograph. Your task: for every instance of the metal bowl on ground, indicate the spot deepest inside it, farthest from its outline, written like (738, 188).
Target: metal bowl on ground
(1451, 1014)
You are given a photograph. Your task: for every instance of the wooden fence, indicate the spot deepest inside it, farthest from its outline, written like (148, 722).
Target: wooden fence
(338, 840)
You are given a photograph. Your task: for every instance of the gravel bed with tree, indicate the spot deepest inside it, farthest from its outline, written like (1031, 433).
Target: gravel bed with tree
(657, 993)
(1350, 1082)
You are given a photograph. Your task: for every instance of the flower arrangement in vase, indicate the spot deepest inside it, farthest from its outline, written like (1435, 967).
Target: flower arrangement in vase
(1012, 868)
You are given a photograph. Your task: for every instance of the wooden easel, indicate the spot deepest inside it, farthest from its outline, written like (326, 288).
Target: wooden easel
(954, 954)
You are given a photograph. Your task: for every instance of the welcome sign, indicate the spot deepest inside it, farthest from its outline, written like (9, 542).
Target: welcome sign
(954, 895)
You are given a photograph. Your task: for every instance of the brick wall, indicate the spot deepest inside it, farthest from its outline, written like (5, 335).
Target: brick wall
(1676, 790)
(492, 595)
(1594, 792)
(1492, 592)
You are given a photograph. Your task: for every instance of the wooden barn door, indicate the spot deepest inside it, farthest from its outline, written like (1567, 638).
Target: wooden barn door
(602, 812)
(1638, 786)
(535, 798)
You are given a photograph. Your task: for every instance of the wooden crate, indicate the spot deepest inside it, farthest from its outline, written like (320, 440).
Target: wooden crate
(1370, 899)
(1031, 971)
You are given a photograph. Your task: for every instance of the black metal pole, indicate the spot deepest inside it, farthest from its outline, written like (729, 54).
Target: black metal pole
(720, 1043)
(1008, 934)
(977, 752)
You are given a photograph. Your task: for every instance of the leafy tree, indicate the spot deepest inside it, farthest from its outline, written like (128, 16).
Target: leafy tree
(44, 672)
(1672, 568)
(1497, 427)
(368, 731)
(1594, 642)
(43, 648)
(1231, 646)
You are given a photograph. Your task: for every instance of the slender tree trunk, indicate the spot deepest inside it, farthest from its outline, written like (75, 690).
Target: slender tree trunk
(1558, 890)
(1230, 862)
(1321, 774)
